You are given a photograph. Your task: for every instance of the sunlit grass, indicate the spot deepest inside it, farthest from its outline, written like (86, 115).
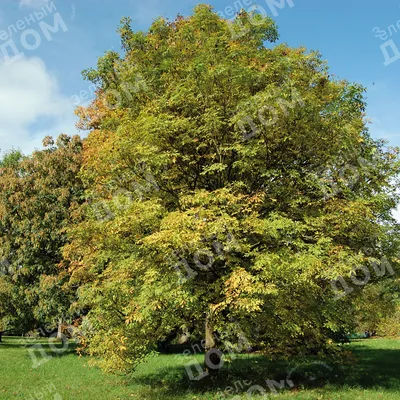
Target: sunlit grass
(376, 375)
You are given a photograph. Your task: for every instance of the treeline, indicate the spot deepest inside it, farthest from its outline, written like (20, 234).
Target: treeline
(222, 198)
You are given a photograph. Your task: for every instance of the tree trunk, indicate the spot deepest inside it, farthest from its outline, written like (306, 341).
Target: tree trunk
(210, 339)
(213, 357)
(59, 329)
(1, 335)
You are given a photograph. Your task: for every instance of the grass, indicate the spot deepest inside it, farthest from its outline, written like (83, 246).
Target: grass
(64, 376)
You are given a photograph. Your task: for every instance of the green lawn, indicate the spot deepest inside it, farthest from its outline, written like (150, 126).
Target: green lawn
(375, 375)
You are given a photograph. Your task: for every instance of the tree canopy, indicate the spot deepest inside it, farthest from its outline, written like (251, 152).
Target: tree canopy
(236, 181)
(38, 194)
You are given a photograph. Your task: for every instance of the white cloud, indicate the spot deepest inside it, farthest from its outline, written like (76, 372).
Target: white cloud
(31, 105)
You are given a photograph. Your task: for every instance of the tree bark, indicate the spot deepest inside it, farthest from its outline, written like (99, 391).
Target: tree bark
(212, 358)
(59, 329)
(210, 339)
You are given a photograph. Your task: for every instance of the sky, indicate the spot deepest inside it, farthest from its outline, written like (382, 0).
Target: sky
(40, 88)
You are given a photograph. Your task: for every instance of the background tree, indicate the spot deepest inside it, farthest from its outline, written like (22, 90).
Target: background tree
(247, 169)
(37, 196)
(6, 306)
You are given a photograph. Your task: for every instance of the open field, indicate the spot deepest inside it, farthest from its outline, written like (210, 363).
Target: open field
(375, 375)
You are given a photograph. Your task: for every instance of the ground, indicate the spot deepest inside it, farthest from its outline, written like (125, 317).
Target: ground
(25, 374)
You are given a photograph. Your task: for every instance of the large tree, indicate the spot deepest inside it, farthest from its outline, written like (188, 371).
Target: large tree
(235, 181)
(38, 194)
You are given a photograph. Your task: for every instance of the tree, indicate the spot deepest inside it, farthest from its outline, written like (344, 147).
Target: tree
(38, 193)
(225, 192)
(6, 307)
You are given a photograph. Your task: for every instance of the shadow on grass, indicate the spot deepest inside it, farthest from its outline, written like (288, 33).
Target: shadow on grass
(53, 348)
(372, 369)
(378, 368)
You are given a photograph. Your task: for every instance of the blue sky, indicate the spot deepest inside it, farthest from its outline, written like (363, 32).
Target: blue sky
(38, 91)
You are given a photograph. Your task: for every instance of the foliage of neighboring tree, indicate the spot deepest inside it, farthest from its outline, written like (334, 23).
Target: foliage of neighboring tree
(380, 310)
(38, 194)
(389, 326)
(375, 307)
(263, 215)
(6, 306)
